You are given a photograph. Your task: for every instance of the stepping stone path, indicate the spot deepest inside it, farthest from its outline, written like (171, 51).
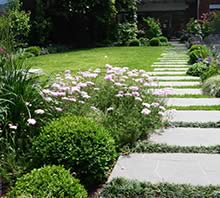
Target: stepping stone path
(195, 169)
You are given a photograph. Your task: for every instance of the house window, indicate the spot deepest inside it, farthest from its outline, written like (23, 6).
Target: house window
(214, 6)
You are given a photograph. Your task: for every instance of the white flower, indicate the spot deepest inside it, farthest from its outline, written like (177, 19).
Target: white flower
(39, 111)
(138, 98)
(94, 108)
(146, 111)
(31, 121)
(147, 105)
(58, 109)
(155, 104)
(161, 113)
(12, 127)
(110, 109)
(162, 108)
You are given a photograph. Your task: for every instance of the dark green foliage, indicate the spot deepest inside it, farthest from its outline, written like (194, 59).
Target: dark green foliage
(144, 41)
(149, 147)
(121, 188)
(80, 145)
(198, 47)
(49, 181)
(35, 50)
(213, 70)
(125, 32)
(155, 42)
(212, 86)
(163, 39)
(198, 54)
(152, 28)
(134, 42)
(197, 69)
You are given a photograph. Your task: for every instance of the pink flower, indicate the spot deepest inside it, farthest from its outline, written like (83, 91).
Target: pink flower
(147, 105)
(109, 77)
(146, 111)
(134, 88)
(31, 121)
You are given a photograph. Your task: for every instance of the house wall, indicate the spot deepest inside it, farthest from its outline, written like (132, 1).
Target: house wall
(204, 6)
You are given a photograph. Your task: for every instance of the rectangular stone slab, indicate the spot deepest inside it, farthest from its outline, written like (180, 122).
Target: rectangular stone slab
(176, 83)
(169, 78)
(188, 137)
(170, 69)
(193, 116)
(186, 102)
(171, 91)
(194, 169)
(166, 73)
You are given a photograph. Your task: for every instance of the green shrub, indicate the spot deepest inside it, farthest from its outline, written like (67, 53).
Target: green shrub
(198, 54)
(125, 32)
(144, 41)
(212, 86)
(121, 188)
(134, 42)
(155, 42)
(35, 50)
(19, 22)
(197, 69)
(212, 70)
(152, 28)
(80, 145)
(49, 181)
(163, 39)
(198, 47)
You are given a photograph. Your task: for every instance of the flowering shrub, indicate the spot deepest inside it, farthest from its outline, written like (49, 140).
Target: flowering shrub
(119, 98)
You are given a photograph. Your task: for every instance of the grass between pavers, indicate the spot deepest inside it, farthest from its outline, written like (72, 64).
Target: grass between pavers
(151, 147)
(194, 124)
(208, 108)
(123, 188)
(190, 96)
(132, 57)
(176, 87)
(183, 80)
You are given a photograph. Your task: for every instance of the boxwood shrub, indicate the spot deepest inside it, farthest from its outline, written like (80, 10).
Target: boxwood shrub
(155, 42)
(79, 144)
(121, 188)
(134, 42)
(49, 181)
(163, 39)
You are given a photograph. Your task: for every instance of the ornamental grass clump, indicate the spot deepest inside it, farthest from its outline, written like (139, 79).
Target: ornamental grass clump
(212, 86)
(119, 98)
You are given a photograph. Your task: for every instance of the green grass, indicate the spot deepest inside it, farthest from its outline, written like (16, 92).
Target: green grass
(208, 108)
(190, 96)
(132, 57)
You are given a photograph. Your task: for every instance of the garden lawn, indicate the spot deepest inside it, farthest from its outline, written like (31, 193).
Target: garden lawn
(132, 57)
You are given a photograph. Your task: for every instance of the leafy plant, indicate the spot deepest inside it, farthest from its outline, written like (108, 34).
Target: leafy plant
(49, 181)
(125, 32)
(152, 28)
(155, 42)
(198, 54)
(197, 69)
(212, 86)
(80, 145)
(35, 50)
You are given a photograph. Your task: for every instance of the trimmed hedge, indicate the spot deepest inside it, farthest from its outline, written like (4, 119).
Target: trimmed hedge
(149, 147)
(134, 42)
(49, 181)
(78, 143)
(122, 188)
(155, 42)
